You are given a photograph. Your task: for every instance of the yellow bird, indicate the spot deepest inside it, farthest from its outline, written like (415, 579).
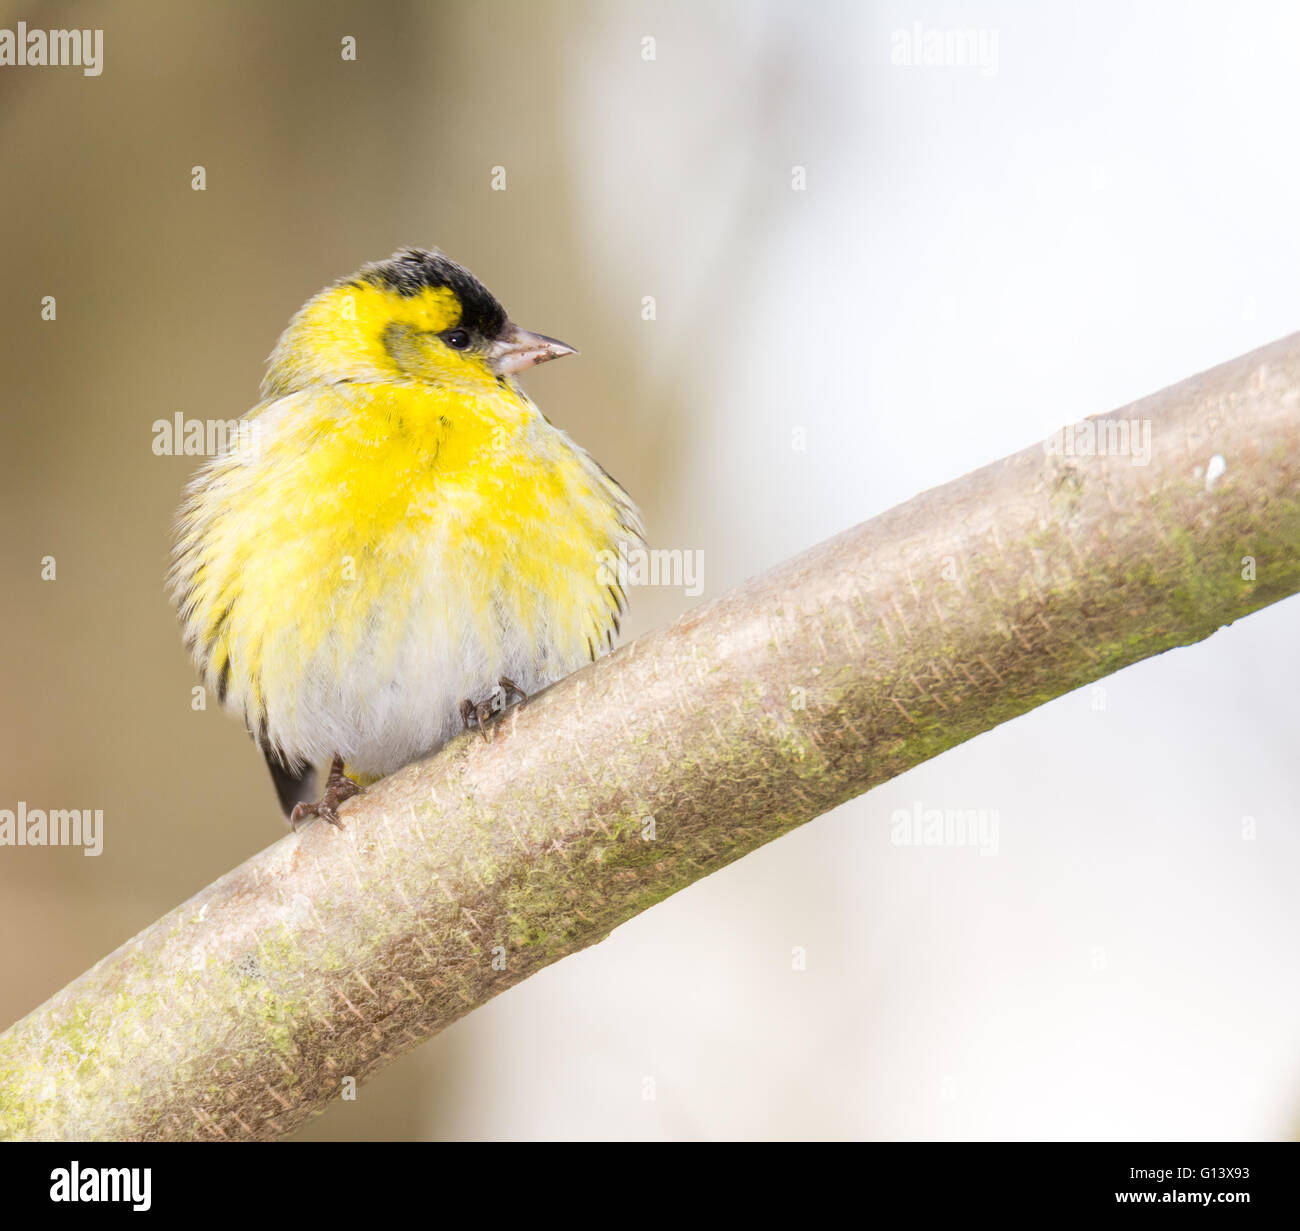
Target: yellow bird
(399, 543)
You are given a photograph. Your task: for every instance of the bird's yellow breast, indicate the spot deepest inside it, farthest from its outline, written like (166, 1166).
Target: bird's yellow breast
(378, 532)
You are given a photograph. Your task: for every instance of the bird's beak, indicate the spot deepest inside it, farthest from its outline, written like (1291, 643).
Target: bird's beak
(518, 349)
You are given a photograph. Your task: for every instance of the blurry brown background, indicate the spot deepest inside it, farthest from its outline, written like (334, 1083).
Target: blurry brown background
(1052, 202)
(169, 299)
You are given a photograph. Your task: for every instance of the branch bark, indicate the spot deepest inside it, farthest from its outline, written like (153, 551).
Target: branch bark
(331, 953)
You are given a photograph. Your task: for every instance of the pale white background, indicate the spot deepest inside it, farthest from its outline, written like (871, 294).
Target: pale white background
(976, 260)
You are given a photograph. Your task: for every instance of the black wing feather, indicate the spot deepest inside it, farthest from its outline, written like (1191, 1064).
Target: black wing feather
(292, 787)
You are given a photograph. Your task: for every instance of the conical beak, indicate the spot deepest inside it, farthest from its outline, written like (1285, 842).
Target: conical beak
(519, 349)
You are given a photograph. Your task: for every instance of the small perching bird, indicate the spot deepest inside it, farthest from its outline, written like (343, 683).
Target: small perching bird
(400, 542)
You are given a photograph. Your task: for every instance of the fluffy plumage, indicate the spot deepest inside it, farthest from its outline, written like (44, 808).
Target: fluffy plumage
(405, 529)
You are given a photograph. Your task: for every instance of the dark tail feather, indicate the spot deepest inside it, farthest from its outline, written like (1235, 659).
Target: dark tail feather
(291, 787)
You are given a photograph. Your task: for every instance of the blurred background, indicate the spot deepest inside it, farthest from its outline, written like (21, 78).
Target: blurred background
(871, 272)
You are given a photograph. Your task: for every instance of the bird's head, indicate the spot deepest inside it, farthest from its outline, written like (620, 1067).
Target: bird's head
(417, 317)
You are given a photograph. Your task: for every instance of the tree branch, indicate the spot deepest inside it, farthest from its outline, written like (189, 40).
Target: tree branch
(331, 953)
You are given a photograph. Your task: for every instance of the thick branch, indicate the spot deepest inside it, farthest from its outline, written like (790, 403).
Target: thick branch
(329, 954)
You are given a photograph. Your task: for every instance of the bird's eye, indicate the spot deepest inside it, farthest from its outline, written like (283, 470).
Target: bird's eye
(457, 339)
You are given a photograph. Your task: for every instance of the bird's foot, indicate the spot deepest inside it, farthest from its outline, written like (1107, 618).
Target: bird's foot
(478, 713)
(338, 787)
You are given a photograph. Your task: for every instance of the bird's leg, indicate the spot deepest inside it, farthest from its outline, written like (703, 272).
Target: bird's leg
(479, 712)
(338, 787)
(510, 689)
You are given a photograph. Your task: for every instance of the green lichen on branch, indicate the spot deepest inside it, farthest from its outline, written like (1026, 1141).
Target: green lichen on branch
(330, 953)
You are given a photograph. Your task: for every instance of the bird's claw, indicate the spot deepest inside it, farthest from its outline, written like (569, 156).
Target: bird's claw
(338, 787)
(479, 713)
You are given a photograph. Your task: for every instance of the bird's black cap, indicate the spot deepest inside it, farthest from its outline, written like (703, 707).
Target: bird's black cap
(412, 270)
